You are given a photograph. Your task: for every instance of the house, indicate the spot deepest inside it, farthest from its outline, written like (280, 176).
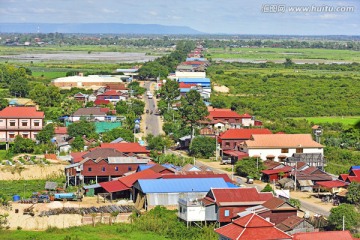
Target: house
(24, 121)
(150, 193)
(81, 97)
(343, 235)
(333, 186)
(126, 148)
(308, 177)
(232, 138)
(274, 210)
(271, 175)
(90, 114)
(119, 87)
(295, 224)
(61, 135)
(251, 226)
(224, 116)
(101, 169)
(278, 147)
(352, 176)
(190, 75)
(112, 96)
(223, 204)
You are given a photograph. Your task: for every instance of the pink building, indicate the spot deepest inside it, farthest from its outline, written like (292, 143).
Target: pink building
(24, 121)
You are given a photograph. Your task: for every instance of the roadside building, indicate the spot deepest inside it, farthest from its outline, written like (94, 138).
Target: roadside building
(90, 114)
(88, 82)
(203, 82)
(24, 121)
(278, 147)
(167, 192)
(295, 224)
(271, 175)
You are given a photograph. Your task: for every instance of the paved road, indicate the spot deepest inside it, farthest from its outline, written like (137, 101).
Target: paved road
(152, 121)
(305, 206)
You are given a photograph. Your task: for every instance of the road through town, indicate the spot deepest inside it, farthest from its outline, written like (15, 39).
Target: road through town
(152, 121)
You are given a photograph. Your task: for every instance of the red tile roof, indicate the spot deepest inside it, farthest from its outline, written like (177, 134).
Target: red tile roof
(285, 169)
(270, 164)
(116, 87)
(126, 147)
(332, 184)
(290, 223)
(101, 102)
(282, 141)
(111, 93)
(186, 85)
(21, 112)
(237, 154)
(60, 130)
(338, 235)
(50, 156)
(223, 114)
(238, 196)
(201, 175)
(77, 156)
(251, 227)
(113, 186)
(145, 174)
(243, 133)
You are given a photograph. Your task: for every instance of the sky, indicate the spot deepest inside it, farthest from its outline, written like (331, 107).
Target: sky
(278, 17)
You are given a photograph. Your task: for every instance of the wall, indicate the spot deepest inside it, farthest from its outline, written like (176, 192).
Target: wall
(190, 74)
(96, 168)
(276, 152)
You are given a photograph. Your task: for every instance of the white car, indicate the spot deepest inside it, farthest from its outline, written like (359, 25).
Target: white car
(148, 93)
(150, 96)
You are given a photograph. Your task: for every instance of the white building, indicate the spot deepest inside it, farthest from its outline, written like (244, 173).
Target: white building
(280, 146)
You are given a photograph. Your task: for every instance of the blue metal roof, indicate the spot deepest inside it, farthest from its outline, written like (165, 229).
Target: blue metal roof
(180, 185)
(192, 80)
(231, 185)
(185, 90)
(144, 167)
(169, 165)
(355, 167)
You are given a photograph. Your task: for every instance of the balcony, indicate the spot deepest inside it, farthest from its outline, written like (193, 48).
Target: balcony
(21, 128)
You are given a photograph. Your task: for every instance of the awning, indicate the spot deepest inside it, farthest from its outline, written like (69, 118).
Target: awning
(256, 156)
(237, 154)
(305, 183)
(91, 186)
(113, 186)
(282, 156)
(270, 156)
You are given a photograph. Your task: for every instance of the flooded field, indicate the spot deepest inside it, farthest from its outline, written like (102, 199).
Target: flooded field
(81, 56)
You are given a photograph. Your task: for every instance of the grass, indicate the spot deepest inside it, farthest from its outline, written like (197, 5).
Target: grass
(116, 231)
(282, 53)
(347, 120)
(49, 75)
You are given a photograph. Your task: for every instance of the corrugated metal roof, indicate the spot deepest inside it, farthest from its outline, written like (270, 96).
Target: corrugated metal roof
(127, 160)
(113, 186)
(180, 185)
(191, 80)
(92, 186)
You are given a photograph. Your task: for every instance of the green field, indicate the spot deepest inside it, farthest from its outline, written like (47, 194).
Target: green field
(117, 231)
(49, 75)
(282, 53)
(352, 120)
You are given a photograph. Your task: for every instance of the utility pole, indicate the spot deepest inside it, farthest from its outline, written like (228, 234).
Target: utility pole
(344, 223)
(295, 175)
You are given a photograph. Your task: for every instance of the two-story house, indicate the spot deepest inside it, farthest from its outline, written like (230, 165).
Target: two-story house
(24, 121)
(278, 147)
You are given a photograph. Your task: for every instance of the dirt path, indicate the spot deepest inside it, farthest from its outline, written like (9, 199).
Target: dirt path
(32, 172)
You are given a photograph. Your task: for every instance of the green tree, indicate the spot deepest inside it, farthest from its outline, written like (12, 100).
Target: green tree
(158, 143)
(3, 103)
(115, 133)
(193, 109)
(249, 167)
(267, 188)
(136, 89)
(78, 143)
(349, 212)
(170, 91)
(45, 135)
(295, 202)
(23, 145)
(19, 87)
(288, 62)
(202, 147)
(81, 128)
(137, 106)
(46, 96)
(121, 107)
(353, 194)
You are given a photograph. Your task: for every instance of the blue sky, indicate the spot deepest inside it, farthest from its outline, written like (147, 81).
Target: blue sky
(209, 16)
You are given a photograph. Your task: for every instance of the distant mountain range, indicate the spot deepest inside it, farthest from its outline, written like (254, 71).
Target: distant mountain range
(94, 28)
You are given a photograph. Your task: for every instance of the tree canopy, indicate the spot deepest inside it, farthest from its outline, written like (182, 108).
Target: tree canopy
(249, 167)
(115, 133)
(23, 145)
(202, 147)
(45, 135)
(353, 194)
(81, 128)
(46, 96)
(170, 91)
(349, 212)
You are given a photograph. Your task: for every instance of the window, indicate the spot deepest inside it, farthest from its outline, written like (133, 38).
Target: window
(227, 213)
(11, 135)
(12, 124)
(24, 124)
(116, 169)
(227, 144)
(226, 119)
(89, 169)
(103, 169)
(236, 120)
(25, 135)
(284, 150)
(37, 123)
(299, 150)
(129, 168)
